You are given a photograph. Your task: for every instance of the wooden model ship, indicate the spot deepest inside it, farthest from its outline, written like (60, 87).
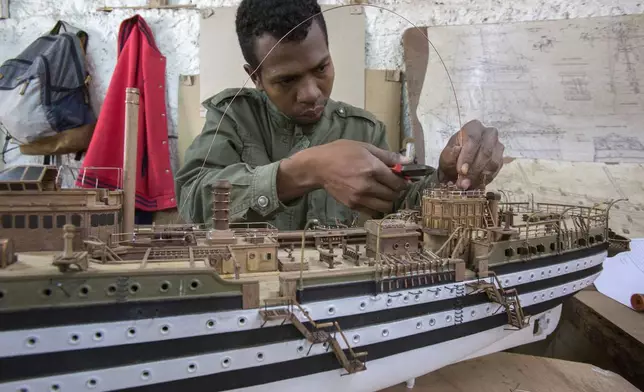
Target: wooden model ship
(241, 306)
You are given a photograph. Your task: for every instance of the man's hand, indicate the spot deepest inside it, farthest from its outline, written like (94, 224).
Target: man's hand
(359, 175)
(479, 159)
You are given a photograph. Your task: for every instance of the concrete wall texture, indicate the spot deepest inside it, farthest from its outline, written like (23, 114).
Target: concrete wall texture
(177, 31)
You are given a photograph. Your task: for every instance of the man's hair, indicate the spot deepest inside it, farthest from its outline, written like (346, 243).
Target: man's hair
(275, 17)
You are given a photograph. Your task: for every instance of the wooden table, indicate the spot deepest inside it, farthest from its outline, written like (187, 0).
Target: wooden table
(509, 372)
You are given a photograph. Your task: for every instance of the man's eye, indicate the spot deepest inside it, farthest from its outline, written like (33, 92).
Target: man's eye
(322, 68)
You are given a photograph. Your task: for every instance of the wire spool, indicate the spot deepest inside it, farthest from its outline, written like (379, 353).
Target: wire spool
(637, 302)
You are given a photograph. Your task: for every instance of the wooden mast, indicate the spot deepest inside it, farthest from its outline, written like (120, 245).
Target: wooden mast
(130, 146)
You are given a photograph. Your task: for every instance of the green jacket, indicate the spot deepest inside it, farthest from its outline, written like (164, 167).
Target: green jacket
(253, 137)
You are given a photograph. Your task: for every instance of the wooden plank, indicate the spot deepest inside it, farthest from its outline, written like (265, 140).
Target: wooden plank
(382, 98)
(519, 373)
(4, 9)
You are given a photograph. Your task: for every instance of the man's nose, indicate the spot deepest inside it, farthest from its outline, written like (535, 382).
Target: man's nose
(309, 92)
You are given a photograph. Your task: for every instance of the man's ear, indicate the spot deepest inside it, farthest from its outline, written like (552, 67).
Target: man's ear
(254, 76)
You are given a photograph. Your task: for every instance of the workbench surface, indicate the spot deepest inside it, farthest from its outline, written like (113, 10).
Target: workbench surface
(503, 372)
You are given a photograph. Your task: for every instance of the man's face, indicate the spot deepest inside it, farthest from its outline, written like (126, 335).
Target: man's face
(296, 76)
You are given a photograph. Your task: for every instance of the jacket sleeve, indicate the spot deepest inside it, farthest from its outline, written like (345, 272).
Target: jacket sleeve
(216, 154)
(412, 197)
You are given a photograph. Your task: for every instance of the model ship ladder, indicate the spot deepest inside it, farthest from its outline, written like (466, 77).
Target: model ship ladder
(509, 299)
(318, 334)
(489, 219)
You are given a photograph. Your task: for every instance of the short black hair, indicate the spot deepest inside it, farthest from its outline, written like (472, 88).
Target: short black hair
(275, 17)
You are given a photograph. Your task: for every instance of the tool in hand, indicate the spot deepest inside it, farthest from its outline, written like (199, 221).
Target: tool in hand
(411, 172)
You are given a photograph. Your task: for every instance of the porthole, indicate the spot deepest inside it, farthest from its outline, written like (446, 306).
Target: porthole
(407, 245)
(564, 290)
(519, 279)
(210, 324)
(535, 298)
(566, 268)
(111, 289)
(54, 387)
(47, 292)
(543, 273)
(23, 389)
(74, 338)
(448, 318)
(241, 321)
(325, 345)
(226, 362)
(164, 286)
(1, 295)
(432, 322)
(98, 336)
(165, 329)
(83, 291)
(385, 332)
(131, 332)
(585, 263)
(331, 310)
(574, 287)
(487, 309)
(91, 383)
(506, 282)
(194, 285)
(31, 341)
(558, 269)
(417, 297)
(577, 265)
(134, 288)
(363, 305)
(145, 375)
(473, 313)
(549, 272)
(192, 367)
(389, 301)
(419, 325)
(552, 294)
(300, 349)
(543, 296)
(405, 299)
(395, 246)
(356, 338)
(260, 357)
(437, 294)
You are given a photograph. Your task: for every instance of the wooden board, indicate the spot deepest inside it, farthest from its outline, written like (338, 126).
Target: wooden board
(221, 61)
(502, 372)
(382, 98)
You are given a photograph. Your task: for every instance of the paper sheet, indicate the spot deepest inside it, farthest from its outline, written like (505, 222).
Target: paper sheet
(623, 275)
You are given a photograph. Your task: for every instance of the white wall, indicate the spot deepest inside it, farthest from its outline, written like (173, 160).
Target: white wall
(177, 32)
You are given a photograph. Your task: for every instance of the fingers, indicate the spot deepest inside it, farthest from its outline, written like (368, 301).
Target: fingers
(472, 134)
(389, 158)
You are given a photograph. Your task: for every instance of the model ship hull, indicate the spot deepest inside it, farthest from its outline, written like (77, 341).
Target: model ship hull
(206, 342)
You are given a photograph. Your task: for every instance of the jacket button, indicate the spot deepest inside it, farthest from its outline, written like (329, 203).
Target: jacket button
(341, 111)
(262, 201)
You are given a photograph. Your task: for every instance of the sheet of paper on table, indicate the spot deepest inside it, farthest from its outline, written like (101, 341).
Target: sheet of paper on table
(623, 275)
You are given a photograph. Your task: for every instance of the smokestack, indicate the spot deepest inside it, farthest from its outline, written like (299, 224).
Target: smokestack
(220, 197)
(220, 233)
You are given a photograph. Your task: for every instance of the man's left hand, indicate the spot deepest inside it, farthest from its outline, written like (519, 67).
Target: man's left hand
(478, 160)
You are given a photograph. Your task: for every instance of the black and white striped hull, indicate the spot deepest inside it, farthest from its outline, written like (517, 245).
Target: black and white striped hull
(406, 334)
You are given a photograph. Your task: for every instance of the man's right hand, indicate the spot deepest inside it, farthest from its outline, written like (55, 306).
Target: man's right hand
(358, 175)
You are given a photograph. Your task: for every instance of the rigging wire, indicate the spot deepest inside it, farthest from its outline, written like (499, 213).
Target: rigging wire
(449, 77)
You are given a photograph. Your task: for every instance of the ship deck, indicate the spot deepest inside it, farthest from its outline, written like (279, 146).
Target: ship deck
(40, 264)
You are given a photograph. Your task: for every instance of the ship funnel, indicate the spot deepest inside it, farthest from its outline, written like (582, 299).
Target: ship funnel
(220, 201)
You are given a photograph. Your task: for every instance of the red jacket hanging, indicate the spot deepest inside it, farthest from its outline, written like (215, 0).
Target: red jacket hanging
(140, 64)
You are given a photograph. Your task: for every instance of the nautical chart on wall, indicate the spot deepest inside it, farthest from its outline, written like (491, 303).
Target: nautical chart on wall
(562, 90)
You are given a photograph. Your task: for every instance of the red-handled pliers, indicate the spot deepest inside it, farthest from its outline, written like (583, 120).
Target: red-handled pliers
(411, 172)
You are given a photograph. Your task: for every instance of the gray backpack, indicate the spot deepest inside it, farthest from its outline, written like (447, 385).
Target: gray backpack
(44, 100)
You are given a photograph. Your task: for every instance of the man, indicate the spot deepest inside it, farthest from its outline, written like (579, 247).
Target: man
(292, 154)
